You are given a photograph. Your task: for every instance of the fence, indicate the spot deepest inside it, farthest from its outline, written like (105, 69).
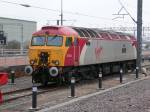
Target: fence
(13, 61)
(13, 52)
(13, 57)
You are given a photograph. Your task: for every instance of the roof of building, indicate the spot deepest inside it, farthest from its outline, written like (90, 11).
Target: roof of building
(17, 19)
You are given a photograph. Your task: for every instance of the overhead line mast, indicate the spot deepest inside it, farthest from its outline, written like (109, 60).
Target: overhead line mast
(61, 12)
(139, 34)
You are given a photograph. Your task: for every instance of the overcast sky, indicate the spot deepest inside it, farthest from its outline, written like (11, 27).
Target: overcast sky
(102, 10)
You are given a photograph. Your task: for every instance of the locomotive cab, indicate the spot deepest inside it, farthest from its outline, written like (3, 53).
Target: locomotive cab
(47, 53)
(46, 50)
(51, 50)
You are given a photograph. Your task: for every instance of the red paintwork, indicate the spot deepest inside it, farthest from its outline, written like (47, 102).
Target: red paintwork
(1, 98)
(3, 78)
(115, 36)
(56, 30)
(68, 31)
(98, 51)
(82, 42)
(133, 41)
(72, 59)
(69, 58)
(105, 36)
(3, 81)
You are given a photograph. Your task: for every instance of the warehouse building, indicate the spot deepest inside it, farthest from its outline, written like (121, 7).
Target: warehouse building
(17, 30)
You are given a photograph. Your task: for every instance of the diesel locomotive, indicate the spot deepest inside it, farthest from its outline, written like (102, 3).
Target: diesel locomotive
(54, 51)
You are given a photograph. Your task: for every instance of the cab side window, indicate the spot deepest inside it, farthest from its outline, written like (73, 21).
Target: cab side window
(68, 41)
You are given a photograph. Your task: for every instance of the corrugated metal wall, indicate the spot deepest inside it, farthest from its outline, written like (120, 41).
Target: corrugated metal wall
(15, 29)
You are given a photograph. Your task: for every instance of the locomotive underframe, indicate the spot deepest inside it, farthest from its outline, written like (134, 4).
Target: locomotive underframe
(41, 74)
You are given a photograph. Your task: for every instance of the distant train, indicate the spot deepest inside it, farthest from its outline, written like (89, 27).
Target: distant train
(56, 50)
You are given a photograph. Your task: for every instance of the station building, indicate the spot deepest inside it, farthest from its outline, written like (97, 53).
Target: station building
(16, 29)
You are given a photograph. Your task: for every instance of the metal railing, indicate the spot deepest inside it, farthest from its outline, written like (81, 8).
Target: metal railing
(13, 61)
(13, 52)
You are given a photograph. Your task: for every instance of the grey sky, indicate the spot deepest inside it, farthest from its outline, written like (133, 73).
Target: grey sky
(103, 9)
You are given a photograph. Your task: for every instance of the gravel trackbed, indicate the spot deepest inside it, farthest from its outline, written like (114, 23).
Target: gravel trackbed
(130, 97)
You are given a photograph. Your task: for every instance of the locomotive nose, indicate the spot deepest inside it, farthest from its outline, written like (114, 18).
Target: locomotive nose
(43, 58)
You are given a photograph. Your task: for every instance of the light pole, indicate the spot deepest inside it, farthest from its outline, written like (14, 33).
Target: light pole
(61, 15)
(22, 39)
(139, 34)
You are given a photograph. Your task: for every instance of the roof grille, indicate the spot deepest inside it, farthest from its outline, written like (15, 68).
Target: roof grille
(50, 27)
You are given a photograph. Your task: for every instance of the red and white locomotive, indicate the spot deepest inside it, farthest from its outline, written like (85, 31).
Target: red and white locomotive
(56, 50)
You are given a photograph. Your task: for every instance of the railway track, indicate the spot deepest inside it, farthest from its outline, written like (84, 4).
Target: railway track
(17, 94)
(55, 94)
(21, 93)
(13, 95)
(146, 66)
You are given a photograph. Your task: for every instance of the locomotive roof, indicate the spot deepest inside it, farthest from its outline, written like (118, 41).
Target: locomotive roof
(78, 31)
(56, 30)
(96, 32)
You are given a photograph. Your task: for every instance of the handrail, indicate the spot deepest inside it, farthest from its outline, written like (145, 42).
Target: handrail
(13, 52)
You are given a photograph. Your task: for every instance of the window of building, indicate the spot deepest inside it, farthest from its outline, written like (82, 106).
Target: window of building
(1, 42)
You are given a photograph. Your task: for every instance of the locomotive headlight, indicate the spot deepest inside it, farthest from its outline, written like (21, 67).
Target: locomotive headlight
(56, 62)
(28, 70)
(32, 62)
(53, 71)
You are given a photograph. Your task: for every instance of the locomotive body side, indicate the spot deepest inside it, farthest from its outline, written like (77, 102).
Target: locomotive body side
(56, 50)
(105, 51)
